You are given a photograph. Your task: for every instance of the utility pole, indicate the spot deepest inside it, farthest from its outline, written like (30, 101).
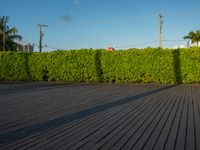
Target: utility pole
(160, 23)
(41, 34)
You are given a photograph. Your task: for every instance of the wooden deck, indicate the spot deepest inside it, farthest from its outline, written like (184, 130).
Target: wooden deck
(99, 116)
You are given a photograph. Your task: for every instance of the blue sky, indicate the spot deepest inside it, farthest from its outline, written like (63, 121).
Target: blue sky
(75, 24)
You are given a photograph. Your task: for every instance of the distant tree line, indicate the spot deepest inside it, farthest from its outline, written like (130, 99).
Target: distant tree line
(8, 35)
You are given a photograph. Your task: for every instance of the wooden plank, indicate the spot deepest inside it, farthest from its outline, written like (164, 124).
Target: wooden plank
(160, 134)
(190, 136)
(69, 135)
(57, 133)
(152, 120)
(182, 132)
(169, 133)
(97, 126)
(37, 117)
(169, 119)
(73, 140)
(133, 128)
(108, 132)
(120, 133)
(195, 98)
(155, 128)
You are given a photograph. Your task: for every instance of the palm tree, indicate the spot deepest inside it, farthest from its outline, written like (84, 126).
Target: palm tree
(7, 35)
(193, 36)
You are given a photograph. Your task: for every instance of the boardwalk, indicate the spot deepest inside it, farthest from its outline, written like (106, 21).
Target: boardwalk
(99, 116)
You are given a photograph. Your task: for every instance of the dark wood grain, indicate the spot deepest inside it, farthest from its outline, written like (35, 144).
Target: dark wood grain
(99, 116)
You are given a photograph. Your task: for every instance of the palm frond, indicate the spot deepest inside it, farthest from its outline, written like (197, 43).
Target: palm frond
(193, 36)
(13, 30)
(186, 37)
(9, 34)
(15, 37)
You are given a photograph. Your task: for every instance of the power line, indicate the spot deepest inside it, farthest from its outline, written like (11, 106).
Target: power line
(174, 40)
(145, 43)
(139, 44)
(123, 46)
(133, 45)
(49, 47)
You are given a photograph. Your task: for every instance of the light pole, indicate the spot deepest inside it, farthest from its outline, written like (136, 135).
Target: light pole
(41, 34)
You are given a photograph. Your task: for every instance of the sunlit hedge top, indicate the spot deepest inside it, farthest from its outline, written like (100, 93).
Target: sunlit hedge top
(123, 66)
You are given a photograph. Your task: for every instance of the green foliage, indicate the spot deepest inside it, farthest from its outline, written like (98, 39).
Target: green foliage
(193, 36)
(123, 66)
(71, 66)
(7, 35)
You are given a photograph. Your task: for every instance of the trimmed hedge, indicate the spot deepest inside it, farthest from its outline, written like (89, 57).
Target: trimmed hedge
(123, 66)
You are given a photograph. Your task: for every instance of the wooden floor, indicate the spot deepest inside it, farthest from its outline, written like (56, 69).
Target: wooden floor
(99, 116)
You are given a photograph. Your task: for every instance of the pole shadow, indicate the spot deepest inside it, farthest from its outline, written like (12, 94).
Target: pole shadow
(177, 66)
(98, 65)
(26, 65)
(49, 125)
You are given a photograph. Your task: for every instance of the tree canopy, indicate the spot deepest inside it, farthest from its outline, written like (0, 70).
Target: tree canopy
(8, 35)
(193, 36)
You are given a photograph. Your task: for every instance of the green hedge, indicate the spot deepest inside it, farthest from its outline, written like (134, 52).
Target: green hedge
(123, 66)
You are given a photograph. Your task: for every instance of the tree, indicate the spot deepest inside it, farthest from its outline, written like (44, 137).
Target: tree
(7, 35)
(193, 36)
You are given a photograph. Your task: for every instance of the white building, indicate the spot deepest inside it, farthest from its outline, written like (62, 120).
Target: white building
(186, 45)
(24, 46)
(193, 44)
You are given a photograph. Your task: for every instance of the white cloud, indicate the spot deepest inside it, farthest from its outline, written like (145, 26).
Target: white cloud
(66, 17)
(76, 2)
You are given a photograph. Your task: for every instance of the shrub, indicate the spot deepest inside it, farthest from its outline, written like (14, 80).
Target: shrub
(123, 66)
